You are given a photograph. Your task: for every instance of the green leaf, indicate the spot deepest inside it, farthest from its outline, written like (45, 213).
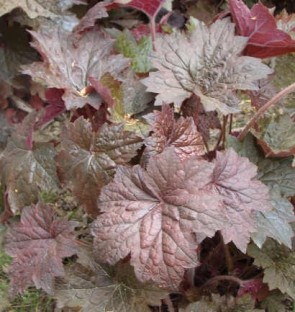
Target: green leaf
(138, 51)
(275, 223)
(246, 148)
(275, 302)
(277, 135)
(278, 175)
(130, 98)
(278, 263)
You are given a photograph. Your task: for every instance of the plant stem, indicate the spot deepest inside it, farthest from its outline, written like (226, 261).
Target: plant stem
(169, 304)
(264, 108)
(222, 133)
(153, 32)
(218, 278)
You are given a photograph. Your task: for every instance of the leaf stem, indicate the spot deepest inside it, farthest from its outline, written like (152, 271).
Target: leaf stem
(227, 255)
(264, 108)
(153, 32)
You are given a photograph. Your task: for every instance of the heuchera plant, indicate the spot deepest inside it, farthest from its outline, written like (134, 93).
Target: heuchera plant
(175, 205)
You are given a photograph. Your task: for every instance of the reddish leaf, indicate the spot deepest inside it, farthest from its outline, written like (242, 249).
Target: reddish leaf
(68, 63)
(252, 287)
(154, 215)
(26, 168)
(88, 159)
(55, 108)
(150, 8)
(38, 243)
(181, 133)
(265, 39)
(96, 12)
(234, 179)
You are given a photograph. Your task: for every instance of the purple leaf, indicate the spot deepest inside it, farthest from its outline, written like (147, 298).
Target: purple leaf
(154, 215)
(88, 159)
(38, 243)
(181, 133)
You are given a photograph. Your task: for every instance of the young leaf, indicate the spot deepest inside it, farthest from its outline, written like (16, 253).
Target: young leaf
(154, 214)
(137, 51)
(182, 134)
(26, 168)
(69, 62)
(234, 179)
(38, 243)
(190, 65)
(97, 290)
(127, 99)
(265, 39)
(278, 263)
(88, 159)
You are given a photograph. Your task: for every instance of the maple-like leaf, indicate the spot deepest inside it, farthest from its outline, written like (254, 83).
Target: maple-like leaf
(97, 290)
(278, 263)
(234, 178)
(258, 24)
(88, 159)
(38, 243)
(189, 65)
(36, 8)
(27, 168)
(279, 176)
(154, 213)
(68, 63)
(181, 133)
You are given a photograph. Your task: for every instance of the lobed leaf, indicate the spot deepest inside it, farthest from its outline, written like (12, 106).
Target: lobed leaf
(161, 214)
(26, 168)
(38, 243)
(234, 178)
(189, 65)
(97, 290)
(278, 263)
(88, 159)
(68, 63)
(182, 134)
